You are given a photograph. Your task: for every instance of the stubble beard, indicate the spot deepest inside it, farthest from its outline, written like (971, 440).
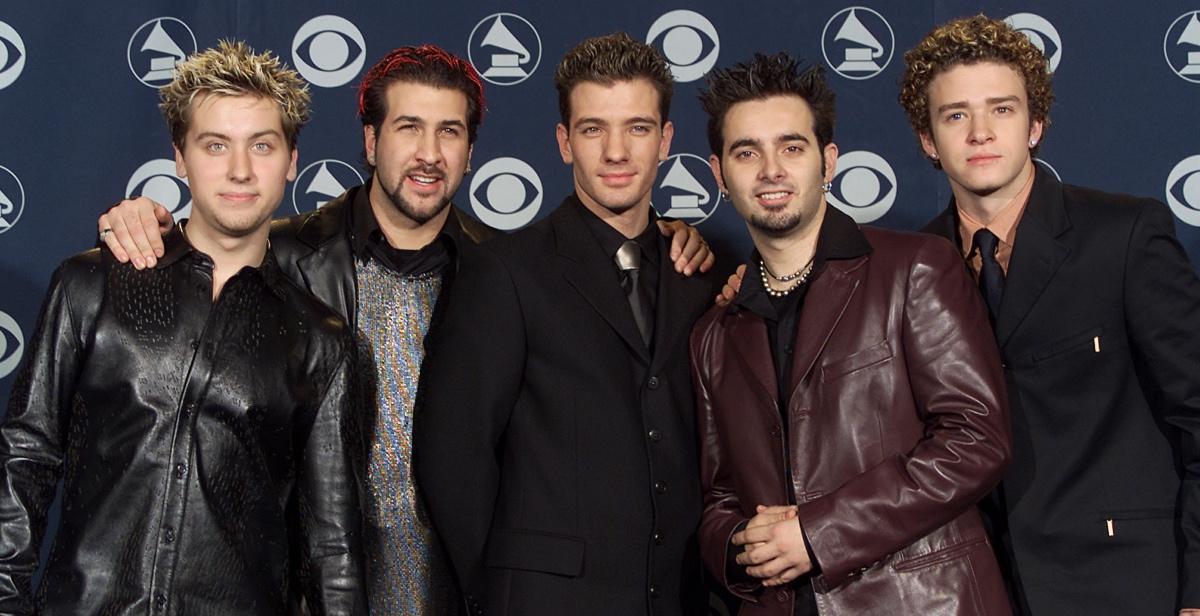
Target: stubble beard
(410, 211)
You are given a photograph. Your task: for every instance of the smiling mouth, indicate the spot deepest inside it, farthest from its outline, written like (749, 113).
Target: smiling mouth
(774, 197)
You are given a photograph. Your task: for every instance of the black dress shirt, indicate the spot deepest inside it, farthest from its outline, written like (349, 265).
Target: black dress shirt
(368, 241)
(610, 241)
(205, 447)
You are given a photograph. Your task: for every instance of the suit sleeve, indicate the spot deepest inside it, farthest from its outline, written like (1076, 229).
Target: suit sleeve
(722, 514)
(1162, 308)
(957, 384)
(328, 490)
(33, 443)
(471, 378)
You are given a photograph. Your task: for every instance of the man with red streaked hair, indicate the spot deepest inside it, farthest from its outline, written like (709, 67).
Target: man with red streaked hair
(381, 254)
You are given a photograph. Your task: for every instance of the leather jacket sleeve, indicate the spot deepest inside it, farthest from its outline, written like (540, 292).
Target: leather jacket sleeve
(32, 443)
(722, 515)
(1162, 301)
(328, 499)
(954, 374)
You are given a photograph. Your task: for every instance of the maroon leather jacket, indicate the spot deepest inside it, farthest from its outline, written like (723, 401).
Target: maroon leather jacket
(898, 425)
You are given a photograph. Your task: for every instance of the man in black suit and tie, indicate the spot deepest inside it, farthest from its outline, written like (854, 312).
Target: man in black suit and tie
(1096, 310)
(555, 440)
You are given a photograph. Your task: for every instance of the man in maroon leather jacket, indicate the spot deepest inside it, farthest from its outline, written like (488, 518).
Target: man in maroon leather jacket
(848, 485)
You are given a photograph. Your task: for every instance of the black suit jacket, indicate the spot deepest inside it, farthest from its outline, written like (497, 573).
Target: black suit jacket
(557, 455)
(1099, 330)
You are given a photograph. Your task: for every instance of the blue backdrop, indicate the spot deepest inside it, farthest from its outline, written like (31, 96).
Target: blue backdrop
(81, 130)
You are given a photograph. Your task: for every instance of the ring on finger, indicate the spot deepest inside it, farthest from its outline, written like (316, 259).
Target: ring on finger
(104, 233)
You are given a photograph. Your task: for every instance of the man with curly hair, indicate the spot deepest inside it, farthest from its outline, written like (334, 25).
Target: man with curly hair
(1094, 305)
(198, 412)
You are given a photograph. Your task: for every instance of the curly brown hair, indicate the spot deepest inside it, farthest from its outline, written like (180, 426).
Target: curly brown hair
(968, 41)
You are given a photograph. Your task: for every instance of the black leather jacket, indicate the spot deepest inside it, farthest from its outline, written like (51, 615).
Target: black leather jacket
(315, 249)
(205, 447)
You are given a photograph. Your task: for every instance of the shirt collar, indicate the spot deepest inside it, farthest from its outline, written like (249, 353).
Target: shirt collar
(176, 247)
(839, 238)
(611, 240)
(1003, 225)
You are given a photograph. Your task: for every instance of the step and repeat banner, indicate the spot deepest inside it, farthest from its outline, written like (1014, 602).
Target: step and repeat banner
(80, 129)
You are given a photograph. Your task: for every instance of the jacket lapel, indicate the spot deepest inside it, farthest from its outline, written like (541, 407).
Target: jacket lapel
(1037, 253)
(594, 277)
(323, 232)
(748, 337)
(824, 304)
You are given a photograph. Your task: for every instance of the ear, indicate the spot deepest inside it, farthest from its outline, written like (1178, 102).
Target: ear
(291, 175)
(180, 168)
(369, 143)
(831, 155)
(664, 146)
(928, 145)
(714, 163)
(564, 143)
(1035, 131)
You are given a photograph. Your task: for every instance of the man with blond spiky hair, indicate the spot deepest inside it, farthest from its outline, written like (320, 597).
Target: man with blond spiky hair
(197, 412)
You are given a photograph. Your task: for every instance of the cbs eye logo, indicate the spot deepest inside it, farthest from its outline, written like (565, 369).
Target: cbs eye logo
(156, 47)
(507, 51)
(1041, 33)
(12, 199)
(156, 180)
(864, 187)
(329, 51)
(1183, 190)
(12, 55)
(321, 182)
(12, 344)
(688, 41)
(506, 193)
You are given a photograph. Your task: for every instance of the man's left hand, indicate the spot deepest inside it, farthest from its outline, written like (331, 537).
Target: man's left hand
(689, 251)
(781, 555)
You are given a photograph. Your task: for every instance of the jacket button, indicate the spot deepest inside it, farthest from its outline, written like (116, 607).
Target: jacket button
(195, 344)
(660, 487)
(654, 591)
(658, 538)
(159, 601)
(654, 435)
(782, 596)
(168, 535)
(652, 382)
(776, 432)
(180, 470)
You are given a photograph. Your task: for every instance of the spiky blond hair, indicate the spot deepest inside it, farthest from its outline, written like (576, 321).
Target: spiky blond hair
(232, 68)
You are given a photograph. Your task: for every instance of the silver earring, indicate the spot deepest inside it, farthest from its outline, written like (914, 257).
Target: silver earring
(934, 156)
(827, 186)
(1032, 142)
(723, 196)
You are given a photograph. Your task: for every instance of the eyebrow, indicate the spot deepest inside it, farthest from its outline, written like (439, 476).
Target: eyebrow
(262, 133)
(633, 120)
(748, 142)
(990, 101)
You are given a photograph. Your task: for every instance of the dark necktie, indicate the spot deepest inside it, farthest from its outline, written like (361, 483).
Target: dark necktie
(629, 259)
(991, 276)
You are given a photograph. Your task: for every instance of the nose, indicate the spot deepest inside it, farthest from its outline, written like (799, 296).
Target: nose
(429, 150)
(616, 149)
(981, 129)
(771, 170)
(240, 168)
